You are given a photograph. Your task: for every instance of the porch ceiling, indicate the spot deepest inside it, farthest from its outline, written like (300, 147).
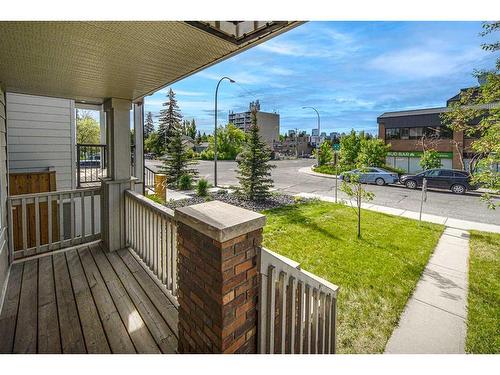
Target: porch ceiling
(91, 61)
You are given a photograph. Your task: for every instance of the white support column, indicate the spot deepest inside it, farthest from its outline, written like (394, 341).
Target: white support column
(102, 127)
(139, 145)
(113, 188)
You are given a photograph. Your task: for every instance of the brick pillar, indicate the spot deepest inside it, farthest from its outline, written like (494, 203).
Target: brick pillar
(218, 248)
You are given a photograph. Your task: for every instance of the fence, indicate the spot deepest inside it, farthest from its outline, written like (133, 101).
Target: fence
(297, 310)
(91, 163)
(152, 233)
(44, 222)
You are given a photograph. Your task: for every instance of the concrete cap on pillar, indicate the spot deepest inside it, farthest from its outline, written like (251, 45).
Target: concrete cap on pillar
(220, 221)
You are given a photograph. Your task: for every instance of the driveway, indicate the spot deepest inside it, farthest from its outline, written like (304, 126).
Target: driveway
(287, 178)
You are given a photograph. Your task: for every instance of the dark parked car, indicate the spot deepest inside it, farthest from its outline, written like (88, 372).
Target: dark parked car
(450, 179)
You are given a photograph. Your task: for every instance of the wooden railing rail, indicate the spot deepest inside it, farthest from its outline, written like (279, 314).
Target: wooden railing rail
(297, 310)
(44, 222)
(151, 232)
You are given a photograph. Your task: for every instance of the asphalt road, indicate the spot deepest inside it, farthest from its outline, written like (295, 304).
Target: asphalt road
(287, 178)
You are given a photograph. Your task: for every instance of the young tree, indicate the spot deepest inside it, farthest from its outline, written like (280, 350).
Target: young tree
(372, 152)
(87, 129)
(149, 125)
(177, 160)
(169, 120)
(430, 159)
(325, 153)
(254, 170)
(355, 191)
(350, 146)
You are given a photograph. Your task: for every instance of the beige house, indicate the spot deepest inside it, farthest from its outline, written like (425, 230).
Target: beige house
(104, 269)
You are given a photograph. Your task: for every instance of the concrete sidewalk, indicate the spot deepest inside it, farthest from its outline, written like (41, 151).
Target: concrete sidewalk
(434, 319)
(448, 221)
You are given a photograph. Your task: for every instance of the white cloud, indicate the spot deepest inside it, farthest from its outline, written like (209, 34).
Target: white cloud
(422, 62)
(289, 49)
(181, 92)
(277, 70)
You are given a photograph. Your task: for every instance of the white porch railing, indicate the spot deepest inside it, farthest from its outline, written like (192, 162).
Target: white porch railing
(43, 222)
(152, 233)
(297, 310)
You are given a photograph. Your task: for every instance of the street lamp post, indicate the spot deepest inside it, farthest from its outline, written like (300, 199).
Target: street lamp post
(215, 129)
(319, 137)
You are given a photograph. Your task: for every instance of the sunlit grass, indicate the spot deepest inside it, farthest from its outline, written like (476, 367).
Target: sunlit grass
(483, 317)
(376, 274)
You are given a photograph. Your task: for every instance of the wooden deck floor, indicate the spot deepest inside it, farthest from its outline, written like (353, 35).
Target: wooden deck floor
(86, 300)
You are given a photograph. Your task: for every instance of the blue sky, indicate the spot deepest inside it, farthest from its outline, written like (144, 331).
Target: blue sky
(350, 71)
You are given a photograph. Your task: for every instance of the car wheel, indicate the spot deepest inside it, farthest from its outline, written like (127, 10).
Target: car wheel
(380, 181)
(410, 184)
(458, 189)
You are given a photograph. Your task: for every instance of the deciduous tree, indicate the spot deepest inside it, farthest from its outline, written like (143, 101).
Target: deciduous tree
(477, 114)
(356, 193)
(87, 129)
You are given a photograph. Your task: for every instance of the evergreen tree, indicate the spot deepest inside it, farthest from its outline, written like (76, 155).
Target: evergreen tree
(198, 137)
(169, 120)
(149, 126)
(254, 170)
(191, 129)
(177, 161)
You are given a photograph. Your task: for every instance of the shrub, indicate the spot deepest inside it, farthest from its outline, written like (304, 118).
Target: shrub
(185, 182)
(202, 188)
(399, 171)
(155, 198)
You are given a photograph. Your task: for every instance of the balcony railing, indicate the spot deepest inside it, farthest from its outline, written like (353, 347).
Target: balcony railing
(149, 178)
(151, 232)
(91, 163)
(44, 222)
(297, 311)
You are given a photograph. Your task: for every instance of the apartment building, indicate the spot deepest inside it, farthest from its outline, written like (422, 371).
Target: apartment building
(269, 123)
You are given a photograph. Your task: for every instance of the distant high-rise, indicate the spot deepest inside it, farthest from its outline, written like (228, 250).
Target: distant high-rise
(269, 123)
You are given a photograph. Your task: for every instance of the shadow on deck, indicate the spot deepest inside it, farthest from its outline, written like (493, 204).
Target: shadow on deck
(86, 300)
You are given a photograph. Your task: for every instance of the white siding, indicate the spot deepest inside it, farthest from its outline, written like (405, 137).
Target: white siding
(40, 136)
(4, 259)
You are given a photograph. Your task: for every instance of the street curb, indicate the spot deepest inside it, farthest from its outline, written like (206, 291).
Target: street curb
(308, 170)
(443, 220)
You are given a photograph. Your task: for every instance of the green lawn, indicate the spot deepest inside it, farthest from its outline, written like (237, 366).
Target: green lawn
(376, 274)
(483, 320)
